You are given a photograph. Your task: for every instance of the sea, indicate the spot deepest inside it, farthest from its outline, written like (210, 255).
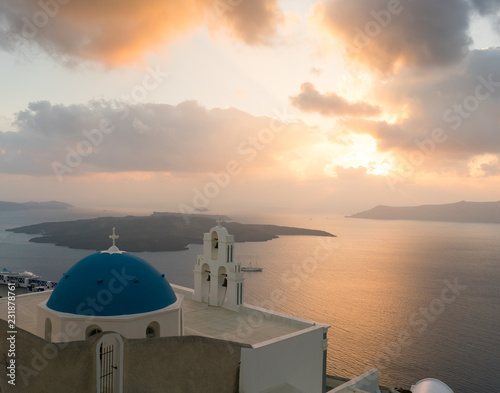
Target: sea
(415, 299)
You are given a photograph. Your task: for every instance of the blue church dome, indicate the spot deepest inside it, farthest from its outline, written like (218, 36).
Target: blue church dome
(111, 283)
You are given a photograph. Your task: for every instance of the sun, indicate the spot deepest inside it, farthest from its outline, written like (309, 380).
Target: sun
(324, 158)
(360, 151)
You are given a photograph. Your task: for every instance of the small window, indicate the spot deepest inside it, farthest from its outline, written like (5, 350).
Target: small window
(93, 330)
(153, 330)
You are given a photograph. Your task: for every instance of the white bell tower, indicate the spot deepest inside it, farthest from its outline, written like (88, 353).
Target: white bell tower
(218, 280)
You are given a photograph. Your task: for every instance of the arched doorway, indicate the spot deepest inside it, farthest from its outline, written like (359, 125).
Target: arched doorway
(109, 364)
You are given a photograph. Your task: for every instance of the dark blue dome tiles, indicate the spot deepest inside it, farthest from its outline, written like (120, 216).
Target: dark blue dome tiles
(111, 284)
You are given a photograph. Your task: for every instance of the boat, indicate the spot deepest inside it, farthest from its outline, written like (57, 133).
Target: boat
(23, 274)
(25, 279)
(251, 269)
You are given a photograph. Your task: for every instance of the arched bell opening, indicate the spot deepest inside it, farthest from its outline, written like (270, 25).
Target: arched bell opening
(222, 285)
(205, 282)
(215, 245)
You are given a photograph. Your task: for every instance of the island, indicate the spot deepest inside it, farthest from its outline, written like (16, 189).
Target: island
(157, 232)
(14, 206)
(480, 212)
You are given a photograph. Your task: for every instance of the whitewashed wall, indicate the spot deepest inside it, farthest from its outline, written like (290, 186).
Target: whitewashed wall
(296, 359)
(68, 327)
(367, 382)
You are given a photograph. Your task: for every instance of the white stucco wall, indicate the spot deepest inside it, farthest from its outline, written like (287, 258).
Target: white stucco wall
(367, 382)
(296, 359)
(70, 327)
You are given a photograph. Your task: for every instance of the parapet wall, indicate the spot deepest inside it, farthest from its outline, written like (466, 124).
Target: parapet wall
(164, 364)
(45, 367)
(182, 364)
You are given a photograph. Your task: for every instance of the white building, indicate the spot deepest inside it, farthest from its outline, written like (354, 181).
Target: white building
(126, 329)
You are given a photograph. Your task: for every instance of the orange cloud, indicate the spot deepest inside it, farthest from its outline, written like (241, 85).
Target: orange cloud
(451, 119)
(114, 32)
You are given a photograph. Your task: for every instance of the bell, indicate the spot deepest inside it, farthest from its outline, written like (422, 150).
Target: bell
(224, 284)
(216, 245)
(208, 278)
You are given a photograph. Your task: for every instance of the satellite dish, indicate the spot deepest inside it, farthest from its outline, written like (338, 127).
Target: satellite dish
(430, 385)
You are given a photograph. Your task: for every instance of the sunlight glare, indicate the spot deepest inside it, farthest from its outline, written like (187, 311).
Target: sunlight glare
(361, 152)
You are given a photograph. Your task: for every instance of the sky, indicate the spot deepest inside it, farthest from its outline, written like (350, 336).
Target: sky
(297, 106)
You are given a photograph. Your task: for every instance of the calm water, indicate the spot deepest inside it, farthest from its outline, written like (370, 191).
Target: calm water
(379, 285)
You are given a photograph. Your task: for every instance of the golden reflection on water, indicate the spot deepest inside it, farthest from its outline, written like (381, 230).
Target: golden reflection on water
(377, 275)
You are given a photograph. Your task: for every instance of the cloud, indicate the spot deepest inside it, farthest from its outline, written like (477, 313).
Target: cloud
(386, 34)
(486, 7)
(330, 104)
(491, 169)
(388, 136)
(106, 136)
(450, 116)
(253, 22)
(490, 9)
(115, 32)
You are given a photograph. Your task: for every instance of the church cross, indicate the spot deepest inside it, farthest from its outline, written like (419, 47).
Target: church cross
(219, 221)
(114, 236)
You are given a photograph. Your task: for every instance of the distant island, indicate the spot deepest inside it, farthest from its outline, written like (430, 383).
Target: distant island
(481, 212)
(157, 232)
(14, 206)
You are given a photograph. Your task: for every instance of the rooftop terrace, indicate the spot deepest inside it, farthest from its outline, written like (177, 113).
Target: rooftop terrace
(251, 325)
